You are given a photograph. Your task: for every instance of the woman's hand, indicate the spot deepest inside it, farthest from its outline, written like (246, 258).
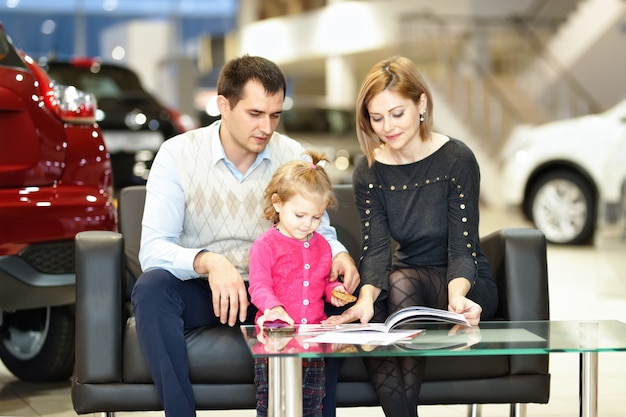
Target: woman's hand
(467, 307)
(459, 303)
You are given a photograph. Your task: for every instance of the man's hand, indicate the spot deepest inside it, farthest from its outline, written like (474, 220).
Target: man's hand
(343, 265)
(230, 298)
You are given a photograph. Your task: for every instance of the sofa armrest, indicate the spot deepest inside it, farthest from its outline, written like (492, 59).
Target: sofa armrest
(99, 306)
(519, 264)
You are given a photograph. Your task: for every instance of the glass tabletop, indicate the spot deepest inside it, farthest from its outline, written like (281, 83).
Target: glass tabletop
(436, 339)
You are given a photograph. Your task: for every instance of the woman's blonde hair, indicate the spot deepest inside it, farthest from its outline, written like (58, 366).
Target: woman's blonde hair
(398, 75)
(299, 177)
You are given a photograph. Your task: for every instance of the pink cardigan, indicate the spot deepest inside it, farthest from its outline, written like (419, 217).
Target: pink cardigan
(291, 273)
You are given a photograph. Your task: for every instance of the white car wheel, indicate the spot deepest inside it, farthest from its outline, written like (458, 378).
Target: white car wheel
(562, 206)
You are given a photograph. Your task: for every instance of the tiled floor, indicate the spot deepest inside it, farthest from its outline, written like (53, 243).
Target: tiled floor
(585, 283)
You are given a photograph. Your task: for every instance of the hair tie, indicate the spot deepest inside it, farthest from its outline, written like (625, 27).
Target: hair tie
(313, 165)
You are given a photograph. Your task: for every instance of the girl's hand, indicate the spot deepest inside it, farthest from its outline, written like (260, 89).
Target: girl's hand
(272, 314)
(341, 296)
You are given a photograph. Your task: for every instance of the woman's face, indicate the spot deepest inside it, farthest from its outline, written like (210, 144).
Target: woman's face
(396, 119)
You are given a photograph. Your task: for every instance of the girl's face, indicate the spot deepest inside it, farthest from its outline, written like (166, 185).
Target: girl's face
(396, 119)
(299, 216)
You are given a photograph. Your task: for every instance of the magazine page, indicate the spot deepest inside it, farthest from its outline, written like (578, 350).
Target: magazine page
(420, 313)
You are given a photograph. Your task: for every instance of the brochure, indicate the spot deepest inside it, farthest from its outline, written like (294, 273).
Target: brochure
(388, 332)
(395, 320)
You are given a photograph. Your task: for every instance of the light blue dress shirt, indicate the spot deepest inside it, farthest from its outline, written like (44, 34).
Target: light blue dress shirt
(165, 207)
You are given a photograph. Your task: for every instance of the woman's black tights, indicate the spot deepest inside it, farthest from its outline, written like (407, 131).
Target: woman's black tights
(397, 381)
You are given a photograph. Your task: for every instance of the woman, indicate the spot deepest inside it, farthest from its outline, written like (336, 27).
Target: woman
(420, 189)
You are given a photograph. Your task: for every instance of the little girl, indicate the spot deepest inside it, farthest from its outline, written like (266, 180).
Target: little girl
(290, 266)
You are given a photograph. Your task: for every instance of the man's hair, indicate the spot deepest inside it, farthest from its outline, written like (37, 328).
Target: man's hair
(237, 72)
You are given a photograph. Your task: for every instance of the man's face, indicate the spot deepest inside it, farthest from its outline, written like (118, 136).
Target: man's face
(249, 125)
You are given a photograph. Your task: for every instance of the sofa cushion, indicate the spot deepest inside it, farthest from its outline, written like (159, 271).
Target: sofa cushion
(217, 355)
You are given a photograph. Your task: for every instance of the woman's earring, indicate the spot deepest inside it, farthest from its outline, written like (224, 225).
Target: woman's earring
(421, 117)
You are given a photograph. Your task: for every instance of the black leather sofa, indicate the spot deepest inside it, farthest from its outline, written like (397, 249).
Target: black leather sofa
(110, 373)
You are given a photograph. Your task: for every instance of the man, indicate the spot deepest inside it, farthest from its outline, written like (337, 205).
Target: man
(203, 211)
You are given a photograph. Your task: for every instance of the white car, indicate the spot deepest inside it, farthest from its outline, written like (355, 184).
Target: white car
(569, 176)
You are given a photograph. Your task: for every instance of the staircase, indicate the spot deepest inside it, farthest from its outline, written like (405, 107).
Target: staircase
(488, 103)
(556, 79)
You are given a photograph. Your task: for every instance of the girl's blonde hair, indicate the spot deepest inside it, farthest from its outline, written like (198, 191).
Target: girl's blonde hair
(299, 177)
(398, 75)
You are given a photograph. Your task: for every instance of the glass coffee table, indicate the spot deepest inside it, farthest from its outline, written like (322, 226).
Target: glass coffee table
(587, 338)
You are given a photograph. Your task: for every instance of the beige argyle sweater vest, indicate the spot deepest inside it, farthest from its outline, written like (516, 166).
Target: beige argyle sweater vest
(221, 214)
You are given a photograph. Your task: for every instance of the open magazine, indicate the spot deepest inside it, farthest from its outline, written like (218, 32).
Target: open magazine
(420, 313)
(389, 331)
(395, 320)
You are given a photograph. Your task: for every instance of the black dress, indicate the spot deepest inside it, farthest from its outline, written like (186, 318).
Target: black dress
(431, 209)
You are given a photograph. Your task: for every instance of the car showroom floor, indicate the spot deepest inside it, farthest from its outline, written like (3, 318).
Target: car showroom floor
(585, 283)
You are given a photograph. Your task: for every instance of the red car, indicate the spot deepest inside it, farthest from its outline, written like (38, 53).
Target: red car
(55, 181)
